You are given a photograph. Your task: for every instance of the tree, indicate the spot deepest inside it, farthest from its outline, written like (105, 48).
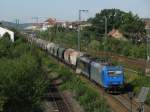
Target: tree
(94, 45)
(5, 45)
(17, 33)
(22, 84)
(22, 79)
(6, 35)
(0, 23)
(126, 22)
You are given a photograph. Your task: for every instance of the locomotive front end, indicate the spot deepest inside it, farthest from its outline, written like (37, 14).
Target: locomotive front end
(114, 77)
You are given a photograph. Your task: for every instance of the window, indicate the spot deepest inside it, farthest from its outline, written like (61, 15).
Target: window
(114, 73)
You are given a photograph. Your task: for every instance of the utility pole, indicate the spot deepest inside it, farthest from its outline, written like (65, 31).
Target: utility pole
(17, 21)
(105, 36)
(148, 51)
(36, 19)
(105, 27)
(142, 97)
(80, 12)
(130, 94)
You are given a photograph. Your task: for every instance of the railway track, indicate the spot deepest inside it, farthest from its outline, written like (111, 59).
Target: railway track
(132, 63)
(136, 63)
(57, 100)
(126, 103)
(135, 104)
(114, 103)
(119, 103)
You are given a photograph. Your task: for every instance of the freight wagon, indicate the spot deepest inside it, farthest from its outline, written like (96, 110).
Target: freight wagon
(97, 70)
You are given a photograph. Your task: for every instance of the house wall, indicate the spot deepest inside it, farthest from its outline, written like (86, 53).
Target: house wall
(3, 31)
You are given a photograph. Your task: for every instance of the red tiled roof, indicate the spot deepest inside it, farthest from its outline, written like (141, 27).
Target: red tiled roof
(115, 33)
(37, 24)
(51, 21)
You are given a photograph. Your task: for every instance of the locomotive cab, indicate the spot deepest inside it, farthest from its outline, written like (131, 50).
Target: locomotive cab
(112, 76)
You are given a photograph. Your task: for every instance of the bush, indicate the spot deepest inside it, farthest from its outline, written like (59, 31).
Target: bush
(94, 45)
(87, 97)
(22, 79)
(139, 83)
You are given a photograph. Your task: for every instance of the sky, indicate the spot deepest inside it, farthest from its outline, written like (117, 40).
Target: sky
(66, 10)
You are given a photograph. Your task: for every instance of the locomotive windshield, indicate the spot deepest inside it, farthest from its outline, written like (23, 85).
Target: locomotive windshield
(114, 73)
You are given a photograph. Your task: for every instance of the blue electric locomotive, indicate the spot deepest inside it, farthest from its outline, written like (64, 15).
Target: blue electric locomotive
(113, 76)
(101, 72)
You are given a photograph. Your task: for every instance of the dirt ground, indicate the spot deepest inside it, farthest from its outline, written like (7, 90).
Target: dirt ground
(73, 104)
(48, 107)
(69, 99)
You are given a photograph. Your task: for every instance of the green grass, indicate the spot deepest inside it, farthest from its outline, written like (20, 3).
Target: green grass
(138, 80)
(130, 76)
(139, 83)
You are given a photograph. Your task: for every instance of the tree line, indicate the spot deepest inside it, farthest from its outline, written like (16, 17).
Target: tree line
(132, 26)
(132, 44)
(22, 79)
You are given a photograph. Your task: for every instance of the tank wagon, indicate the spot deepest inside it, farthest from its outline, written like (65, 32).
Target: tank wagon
(73, 57)
(42, 43)
(67, 54)
(61, 51)
(50, 47)
(55, 50)
(97, 70)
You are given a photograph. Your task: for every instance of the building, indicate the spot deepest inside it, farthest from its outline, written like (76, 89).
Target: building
(51, 22)
(84, 25)
(147, 22)
(116, 34)
(3, 31)
(48, 23)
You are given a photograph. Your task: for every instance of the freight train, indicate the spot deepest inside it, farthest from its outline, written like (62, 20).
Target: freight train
(96, 69)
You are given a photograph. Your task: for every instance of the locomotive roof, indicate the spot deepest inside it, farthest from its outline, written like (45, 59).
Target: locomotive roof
(89, 58)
